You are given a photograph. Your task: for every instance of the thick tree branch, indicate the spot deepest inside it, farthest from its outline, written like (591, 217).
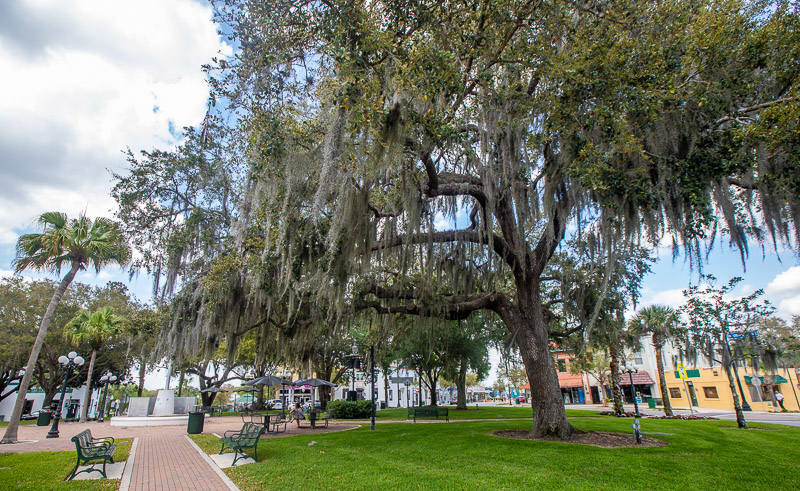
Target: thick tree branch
(473, 236)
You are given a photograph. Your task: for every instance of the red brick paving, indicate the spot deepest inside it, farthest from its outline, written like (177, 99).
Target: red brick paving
(164, 460)
(170, 462)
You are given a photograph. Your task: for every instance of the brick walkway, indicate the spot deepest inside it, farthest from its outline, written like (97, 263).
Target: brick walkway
(171, 462)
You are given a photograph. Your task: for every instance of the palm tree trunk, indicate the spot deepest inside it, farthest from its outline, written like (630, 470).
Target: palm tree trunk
(13, 423)
(662, 382)
(88, 394)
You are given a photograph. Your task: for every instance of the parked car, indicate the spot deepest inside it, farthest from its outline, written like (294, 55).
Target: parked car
(33, 415)
(275, 404)
(523, 399)
(317, 405)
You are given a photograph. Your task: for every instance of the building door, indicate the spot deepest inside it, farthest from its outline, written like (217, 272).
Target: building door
(595, 395)
(692, 394)
(581, 396)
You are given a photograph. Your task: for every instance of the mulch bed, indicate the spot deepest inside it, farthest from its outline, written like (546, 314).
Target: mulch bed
(603, 439)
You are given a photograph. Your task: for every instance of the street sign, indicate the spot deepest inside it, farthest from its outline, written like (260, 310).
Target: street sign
(682, 371)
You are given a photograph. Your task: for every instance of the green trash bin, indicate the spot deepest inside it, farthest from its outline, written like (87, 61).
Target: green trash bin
(651, 403)
(196, 420)
(383, 405)
(43, 419)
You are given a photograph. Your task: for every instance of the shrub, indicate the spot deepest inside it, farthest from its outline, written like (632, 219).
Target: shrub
(350, 409)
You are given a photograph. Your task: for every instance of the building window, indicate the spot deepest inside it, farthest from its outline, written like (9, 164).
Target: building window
(562, 366)
(711, 392)
(675, 393)
(390, 395)
(638, 360)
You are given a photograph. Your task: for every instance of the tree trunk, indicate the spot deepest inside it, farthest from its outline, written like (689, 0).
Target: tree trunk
(662, 382)
(13, 423)
(386, 388)
(49, 395)
(180, 383)
(549, 414)
(616, 388)
(461, 386)
(88, 394)
(736, 405)
(142, 372)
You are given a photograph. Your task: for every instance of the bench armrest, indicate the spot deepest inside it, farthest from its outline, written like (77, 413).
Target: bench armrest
(231, 433)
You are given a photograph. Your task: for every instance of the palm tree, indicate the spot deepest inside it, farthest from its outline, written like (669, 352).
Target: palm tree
(95, 328)
(77, 244)
(662, 323)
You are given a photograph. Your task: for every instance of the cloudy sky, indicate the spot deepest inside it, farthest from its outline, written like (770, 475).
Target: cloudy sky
(84, 80)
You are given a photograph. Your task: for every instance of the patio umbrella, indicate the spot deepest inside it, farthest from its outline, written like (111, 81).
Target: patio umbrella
(246, 389)
(268, 380)
(315, 382)
(213, 389)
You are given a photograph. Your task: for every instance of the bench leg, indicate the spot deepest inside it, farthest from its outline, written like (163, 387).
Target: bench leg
(72, 474)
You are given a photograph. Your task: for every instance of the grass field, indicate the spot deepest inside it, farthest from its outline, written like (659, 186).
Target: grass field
(47, 470)
(483, 412)
(700, 455)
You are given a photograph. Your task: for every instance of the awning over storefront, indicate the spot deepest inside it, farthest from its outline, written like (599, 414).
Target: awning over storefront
(639, 378)
(769, 379)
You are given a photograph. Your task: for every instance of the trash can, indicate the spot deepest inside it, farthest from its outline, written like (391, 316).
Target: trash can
(651, 403)
(44, 418)
(383, 405)
(196, 420)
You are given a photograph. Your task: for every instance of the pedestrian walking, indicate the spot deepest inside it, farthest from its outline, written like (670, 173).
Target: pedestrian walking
(779, 398)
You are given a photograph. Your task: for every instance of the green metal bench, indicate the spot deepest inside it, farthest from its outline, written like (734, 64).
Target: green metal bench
(243, 439)
(428, 412)
(92, 450)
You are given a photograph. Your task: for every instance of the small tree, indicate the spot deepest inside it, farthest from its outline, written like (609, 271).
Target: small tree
(662, 323)
(96, 328)
(713, 317)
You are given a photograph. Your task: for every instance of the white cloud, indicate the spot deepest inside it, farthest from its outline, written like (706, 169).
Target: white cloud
(785, 283)
(84, 80)
(784, 292)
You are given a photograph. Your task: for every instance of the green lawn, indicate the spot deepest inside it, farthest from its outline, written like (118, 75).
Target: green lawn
(483, 412)
(47, 470)
(26, 422)
(701, 455)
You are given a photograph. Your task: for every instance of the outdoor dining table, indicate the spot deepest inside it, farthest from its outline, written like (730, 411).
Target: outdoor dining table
(263, 419)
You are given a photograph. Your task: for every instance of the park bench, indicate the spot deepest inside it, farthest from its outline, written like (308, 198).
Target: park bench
(92, 450)
(428, 412)
(243, 439)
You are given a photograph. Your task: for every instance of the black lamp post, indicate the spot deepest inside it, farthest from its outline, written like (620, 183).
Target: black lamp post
(408, 395)
(105, 380)
(69, 363)
(630, 369)
(355, 362)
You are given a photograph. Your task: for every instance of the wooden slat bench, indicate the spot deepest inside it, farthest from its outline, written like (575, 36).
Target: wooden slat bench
(92, 450)
(245, 438)
(432, 412)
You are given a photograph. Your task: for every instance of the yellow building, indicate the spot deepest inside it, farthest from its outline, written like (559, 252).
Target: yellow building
(709, 388)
